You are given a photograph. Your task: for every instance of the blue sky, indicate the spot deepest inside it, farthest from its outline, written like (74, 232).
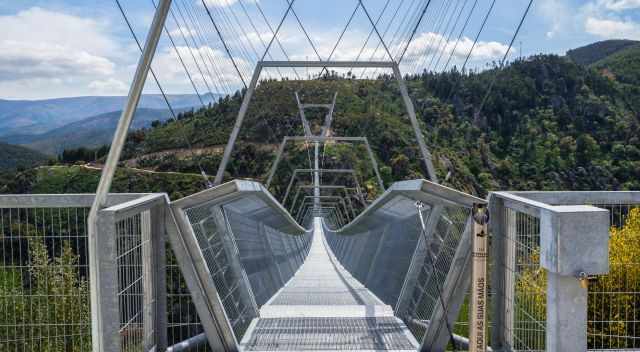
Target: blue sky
(59, 48)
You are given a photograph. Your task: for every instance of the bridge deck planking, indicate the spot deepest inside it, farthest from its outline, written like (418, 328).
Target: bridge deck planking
(323, 308)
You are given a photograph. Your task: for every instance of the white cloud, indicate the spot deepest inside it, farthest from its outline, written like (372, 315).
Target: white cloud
(221, 3)
(558, 14)
(180, 31)
(611, 28)
(173, 73)
(620, 5)
(42, 45)
(430, 44)
(108, 86)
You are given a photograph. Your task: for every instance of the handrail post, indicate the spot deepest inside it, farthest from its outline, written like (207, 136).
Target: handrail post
(573, 245)
(157, 273)
(105, 322)
(102, 305)
(478, 311)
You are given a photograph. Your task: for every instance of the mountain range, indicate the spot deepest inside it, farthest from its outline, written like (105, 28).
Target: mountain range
(29, 117)
(583, 106)
(50, 126)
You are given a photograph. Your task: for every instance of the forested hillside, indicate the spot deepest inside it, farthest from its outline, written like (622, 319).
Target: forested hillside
(14, 157)
(590, 54)
(549, 123)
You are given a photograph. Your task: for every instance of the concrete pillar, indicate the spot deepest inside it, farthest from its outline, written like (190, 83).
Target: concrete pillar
(573, 244)
(566, 314)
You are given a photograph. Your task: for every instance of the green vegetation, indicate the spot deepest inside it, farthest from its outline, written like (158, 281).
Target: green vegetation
(595, 52)
(81, 179)
(48, 301)
(613, 298)
(13, 157)
(549, 124)
(624, 65)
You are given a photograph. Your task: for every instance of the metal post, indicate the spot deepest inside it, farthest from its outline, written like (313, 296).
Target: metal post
(497, 228)
(159, 271)
(105, 322)
(316, 175)
(374, 163)
(573, 245)
(101, 254)
(274, 167)
(129, 110)
(477, 321)
(147, 283)
(426, 156)
(566, 328)
(236, 128)
(509, 278)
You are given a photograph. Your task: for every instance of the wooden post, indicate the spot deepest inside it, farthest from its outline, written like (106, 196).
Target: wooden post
(477, 326)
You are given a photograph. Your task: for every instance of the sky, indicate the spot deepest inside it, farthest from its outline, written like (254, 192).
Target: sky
(63, 48)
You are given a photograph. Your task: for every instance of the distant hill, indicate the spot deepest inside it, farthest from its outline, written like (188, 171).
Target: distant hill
(623, 65)
(13, 157)
(40, 116)
(595, 52)
(90, 132)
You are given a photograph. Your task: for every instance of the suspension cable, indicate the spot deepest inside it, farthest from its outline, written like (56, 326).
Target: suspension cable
(184, 37)
(455, 47)
(226, 48)
(208, 53)
(504, 58)
(303, 29)
(442, 46)
(286, 55)
(275, 34)
(164, 96)
(384, 8)
(413, 33)
(475, 41)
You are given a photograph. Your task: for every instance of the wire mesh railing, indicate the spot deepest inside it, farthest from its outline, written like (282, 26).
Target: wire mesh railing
(524, 293)
(131, 243)
(378, 257)
(249, 249)
(44, 278)
(183, 321)
(521, 286)
(614, 299)
(413, 252)
(131, 275)
(443, 248)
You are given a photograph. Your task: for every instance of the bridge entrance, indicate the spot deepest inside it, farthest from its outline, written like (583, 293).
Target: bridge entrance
(323, 307)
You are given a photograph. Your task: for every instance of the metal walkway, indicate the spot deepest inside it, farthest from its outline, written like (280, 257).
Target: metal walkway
(323, 308)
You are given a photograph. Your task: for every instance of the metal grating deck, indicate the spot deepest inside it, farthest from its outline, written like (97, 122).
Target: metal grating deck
(323, 308)
(329, 334)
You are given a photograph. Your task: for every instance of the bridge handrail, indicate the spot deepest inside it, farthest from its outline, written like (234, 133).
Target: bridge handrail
(419, 190)
(129, 271)
(384, 247)
(217, 231)
(554, 231)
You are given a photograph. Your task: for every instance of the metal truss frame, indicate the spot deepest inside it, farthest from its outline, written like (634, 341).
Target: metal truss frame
(287, 139)
(392, 65)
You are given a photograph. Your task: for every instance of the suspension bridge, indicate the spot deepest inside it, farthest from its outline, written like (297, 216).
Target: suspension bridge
(324, 268)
